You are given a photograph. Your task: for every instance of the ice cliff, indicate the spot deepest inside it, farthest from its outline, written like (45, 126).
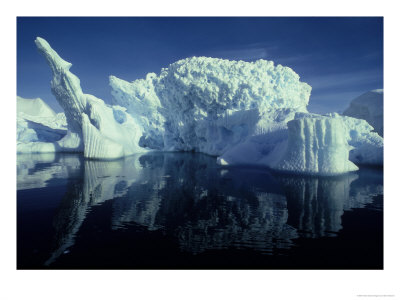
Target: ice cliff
(245, 113)
(316, 145)
(369, 107)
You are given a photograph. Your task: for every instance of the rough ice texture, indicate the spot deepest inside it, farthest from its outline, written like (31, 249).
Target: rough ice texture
(369, 107)
(367, 144)
(316, 145)
(94, 128)
(240, 111)
(244, 113)
(310, 143)
(208, 104)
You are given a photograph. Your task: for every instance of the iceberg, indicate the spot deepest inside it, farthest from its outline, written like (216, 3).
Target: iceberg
(244, 113)
(98, 130)
(369, 107)
(207, 104)
(37, 124)
(310, 143)
(367, 145)
(34, 107)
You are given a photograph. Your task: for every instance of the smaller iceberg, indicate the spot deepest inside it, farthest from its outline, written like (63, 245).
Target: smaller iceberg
(369, 107)
(37, 125)
(308, 143)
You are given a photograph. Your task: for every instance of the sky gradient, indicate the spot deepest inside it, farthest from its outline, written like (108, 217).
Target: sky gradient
(340, 58)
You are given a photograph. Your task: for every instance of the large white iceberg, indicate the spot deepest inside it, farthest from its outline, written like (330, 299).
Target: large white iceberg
(369, 107)
(244, 113)
(240, 111)
(208, 104)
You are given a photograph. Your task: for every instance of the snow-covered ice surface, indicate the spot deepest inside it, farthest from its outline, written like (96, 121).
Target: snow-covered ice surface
(240, 111)
(94, 128)
(246, 113)
(34, 107)
(369, 107)
(208, 104)
(37, 123)
(367, 145)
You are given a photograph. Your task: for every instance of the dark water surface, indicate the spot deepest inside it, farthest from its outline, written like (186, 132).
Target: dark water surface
(182, 210)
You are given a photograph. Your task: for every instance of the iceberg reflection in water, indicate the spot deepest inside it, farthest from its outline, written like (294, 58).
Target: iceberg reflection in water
(188, 198)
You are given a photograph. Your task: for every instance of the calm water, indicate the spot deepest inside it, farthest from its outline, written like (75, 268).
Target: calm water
(181, 210)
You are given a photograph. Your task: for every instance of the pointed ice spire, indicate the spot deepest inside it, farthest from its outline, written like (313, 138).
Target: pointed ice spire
(65, 86)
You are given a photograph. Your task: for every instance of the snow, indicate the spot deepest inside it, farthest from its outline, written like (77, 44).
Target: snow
(98, 130)
(369, 107)
(367, 144)
(208, 104)
(38, 125)
(245, 113)
(34, 107)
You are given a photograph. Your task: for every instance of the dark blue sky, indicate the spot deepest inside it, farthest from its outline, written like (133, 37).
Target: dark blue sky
(340, 58)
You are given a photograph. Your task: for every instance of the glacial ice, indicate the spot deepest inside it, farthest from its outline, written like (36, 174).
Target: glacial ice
(311, 143)
(369, 107)
(239, 112)
(37, 124)
(316, 145)
(94, 128)
(208, 104)
(367, 145)
(245, 113)
(34, 107)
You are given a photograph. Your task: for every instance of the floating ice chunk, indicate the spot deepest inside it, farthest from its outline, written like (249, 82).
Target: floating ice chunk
(369, 107)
